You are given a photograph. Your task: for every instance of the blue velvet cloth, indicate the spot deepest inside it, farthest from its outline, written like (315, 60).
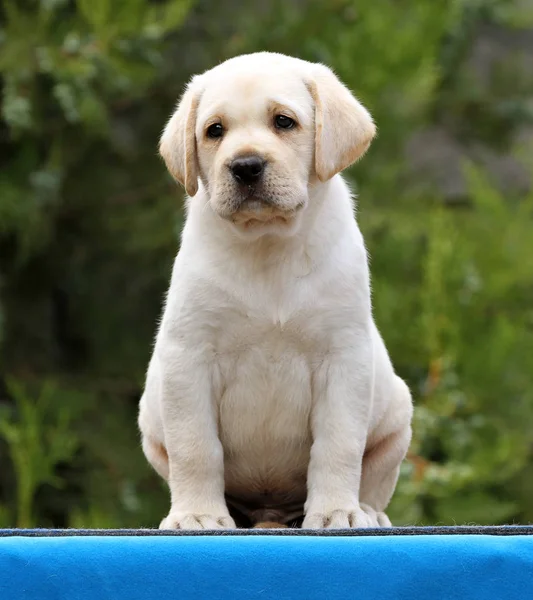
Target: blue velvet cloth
(495, 564)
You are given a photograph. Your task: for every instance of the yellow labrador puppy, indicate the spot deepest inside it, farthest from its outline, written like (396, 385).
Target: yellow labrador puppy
(270, 390)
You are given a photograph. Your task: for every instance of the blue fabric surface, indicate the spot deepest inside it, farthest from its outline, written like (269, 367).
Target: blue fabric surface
(267, 567)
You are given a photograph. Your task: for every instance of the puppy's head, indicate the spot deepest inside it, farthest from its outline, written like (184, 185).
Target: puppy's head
(259, 130)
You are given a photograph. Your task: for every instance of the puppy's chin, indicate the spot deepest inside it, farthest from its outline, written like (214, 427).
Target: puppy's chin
(256, 218)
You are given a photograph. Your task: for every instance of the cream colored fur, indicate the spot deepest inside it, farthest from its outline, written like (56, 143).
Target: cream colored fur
(269, 377)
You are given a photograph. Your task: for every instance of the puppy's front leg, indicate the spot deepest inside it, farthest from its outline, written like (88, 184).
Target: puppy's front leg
(196, 462)
(339, 423)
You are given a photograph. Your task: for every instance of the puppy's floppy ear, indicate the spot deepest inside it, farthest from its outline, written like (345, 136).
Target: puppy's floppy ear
(178, 142)
(343, 126)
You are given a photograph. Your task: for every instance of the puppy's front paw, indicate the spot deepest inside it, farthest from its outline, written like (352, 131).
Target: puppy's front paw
(193, 520)
(339, 519)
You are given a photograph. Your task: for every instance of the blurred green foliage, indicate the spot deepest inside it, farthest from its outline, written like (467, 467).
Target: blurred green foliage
(89, 226)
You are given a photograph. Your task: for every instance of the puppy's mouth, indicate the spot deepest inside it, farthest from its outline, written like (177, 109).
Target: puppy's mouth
(256, 212)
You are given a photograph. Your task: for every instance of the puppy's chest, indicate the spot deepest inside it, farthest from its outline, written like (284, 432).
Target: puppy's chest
(265, 367)
(265, 338)
(273, 320)
(267, 346)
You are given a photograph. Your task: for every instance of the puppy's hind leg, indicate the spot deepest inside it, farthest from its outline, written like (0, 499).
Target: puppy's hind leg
(157, 456)
(150, 423)
(381, 462)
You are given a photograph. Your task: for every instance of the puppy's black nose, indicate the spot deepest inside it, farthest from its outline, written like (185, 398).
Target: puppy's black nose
(247, 169)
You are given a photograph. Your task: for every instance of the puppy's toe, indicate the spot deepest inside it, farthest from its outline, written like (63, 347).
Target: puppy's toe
(359, 519)
(314, 521)
(379, 519)
(383, 520)
(212, 522)
(226, 523)
(195, 521)
(339, 519)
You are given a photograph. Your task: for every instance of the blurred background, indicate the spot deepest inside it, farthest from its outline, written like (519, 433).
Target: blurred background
(89, 226)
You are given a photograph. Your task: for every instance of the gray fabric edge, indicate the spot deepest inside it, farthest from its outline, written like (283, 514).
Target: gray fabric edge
(504, 530)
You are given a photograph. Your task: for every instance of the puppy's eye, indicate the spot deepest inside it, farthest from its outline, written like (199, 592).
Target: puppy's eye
(215, 131)
(284, 122)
